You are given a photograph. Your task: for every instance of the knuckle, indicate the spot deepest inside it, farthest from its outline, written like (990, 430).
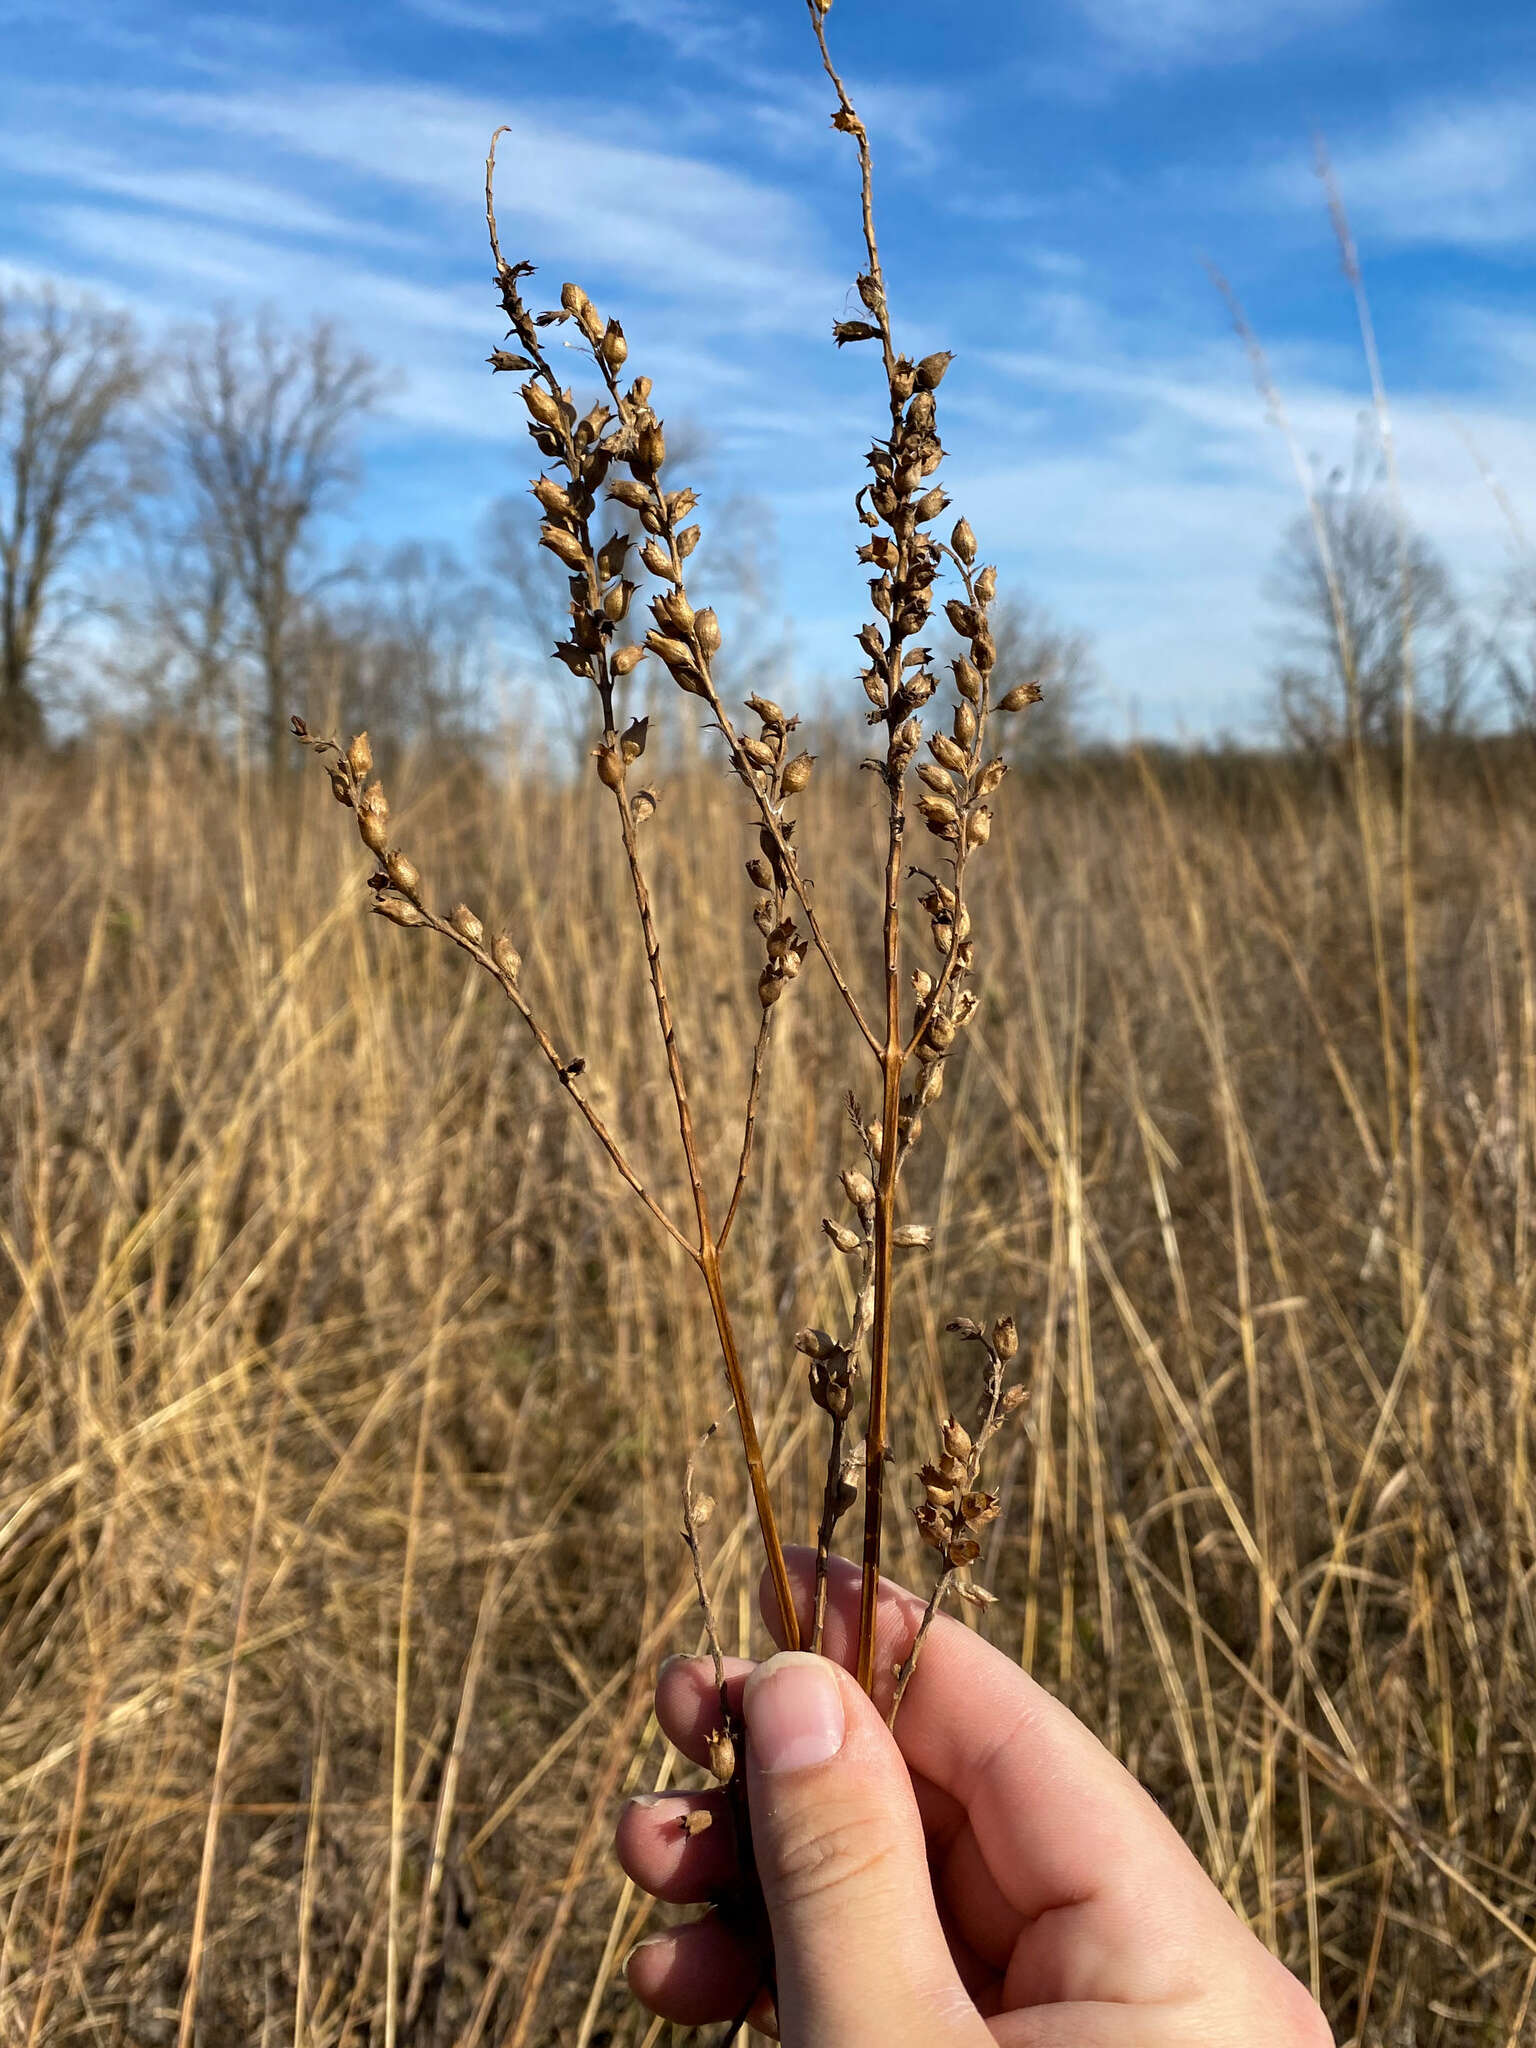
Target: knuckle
(809, 1861)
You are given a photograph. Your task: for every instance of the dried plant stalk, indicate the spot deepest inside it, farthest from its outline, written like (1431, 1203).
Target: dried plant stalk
(617, 448)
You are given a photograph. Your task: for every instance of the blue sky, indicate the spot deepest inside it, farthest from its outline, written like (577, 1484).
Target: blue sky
(1052, 178)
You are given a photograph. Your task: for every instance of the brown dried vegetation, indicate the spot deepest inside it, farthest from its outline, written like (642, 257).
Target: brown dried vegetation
(345, 1379)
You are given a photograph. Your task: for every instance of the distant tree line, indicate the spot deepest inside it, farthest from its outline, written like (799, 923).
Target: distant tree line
(173, 544)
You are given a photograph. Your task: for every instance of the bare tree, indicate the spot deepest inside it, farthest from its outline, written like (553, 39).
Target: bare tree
(1033, 648)
(1358, 606)
(407, 650)
(70, 464)
(264, 422)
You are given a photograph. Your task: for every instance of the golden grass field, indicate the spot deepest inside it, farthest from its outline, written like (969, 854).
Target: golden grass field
(345, 1395)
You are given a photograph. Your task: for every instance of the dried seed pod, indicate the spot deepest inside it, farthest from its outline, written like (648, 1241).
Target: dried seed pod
(770, 986)
(657, 560)
(957, 1442)
(687, 541)
(402, 872)
(565, 545)
(341, 789)
(797, 774)
(814, 1343)
(628, 492)
(610, 766)
(991, 776)
(986, 584)
(507, 957)
(626, 659)
(967, 679)
(673, 611)
(613, 347)
(373, 818)
(936, 779)
(397, 910)
(1013, 1400)
(650, 447)
(1020, 695)
(466, 924)
(541, 407)
(930, 371)
(722, 1756)
(616, 601)
(965, 723)
(554, 497)
(945, 751)
(847, 1241)
(360, 757)
(977, 1509)
(1005, 1338)
(913, 1236)
(675, 653)
(978, 828)
(930, 505)
(632, 745)
(769, 714)
(642, 805)
(858, 1187)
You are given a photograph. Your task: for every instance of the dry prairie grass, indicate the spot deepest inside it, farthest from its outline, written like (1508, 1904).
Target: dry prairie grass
(344, 1394)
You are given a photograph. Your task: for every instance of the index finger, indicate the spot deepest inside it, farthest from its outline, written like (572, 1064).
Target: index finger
(1057, 1819)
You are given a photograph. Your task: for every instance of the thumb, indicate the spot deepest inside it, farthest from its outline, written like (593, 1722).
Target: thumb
(859, 1954)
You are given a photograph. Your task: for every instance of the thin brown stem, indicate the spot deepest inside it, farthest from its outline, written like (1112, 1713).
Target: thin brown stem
(749, 1124)
(566, 1073)
(876, 1437)
(908, 1665)
(707, 1253)
(831, 1514)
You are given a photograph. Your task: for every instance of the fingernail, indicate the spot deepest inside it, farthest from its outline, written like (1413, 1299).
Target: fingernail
(794, 1712)
(650, 1941)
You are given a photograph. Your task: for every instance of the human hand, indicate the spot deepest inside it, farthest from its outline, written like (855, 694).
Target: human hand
(990, 1875)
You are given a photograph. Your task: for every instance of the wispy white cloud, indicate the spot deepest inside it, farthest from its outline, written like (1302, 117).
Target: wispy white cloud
(478, 17)
(739, 252)
(1162, 33)
(193, 189)
(1459, 175)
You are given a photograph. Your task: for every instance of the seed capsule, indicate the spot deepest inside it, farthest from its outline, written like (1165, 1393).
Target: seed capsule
(373, 818)
(858, 1187)
(722, 1756)
(797, 774)
(402, 871)
(507, 957)
(397, 910)
(360, 757)
(1020, 695)
(466, 924)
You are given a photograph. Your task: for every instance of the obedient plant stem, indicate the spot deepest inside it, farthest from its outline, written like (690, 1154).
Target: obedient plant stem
(757, 1475)
(615, 454)
(707, 1254)
(892, 1060)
